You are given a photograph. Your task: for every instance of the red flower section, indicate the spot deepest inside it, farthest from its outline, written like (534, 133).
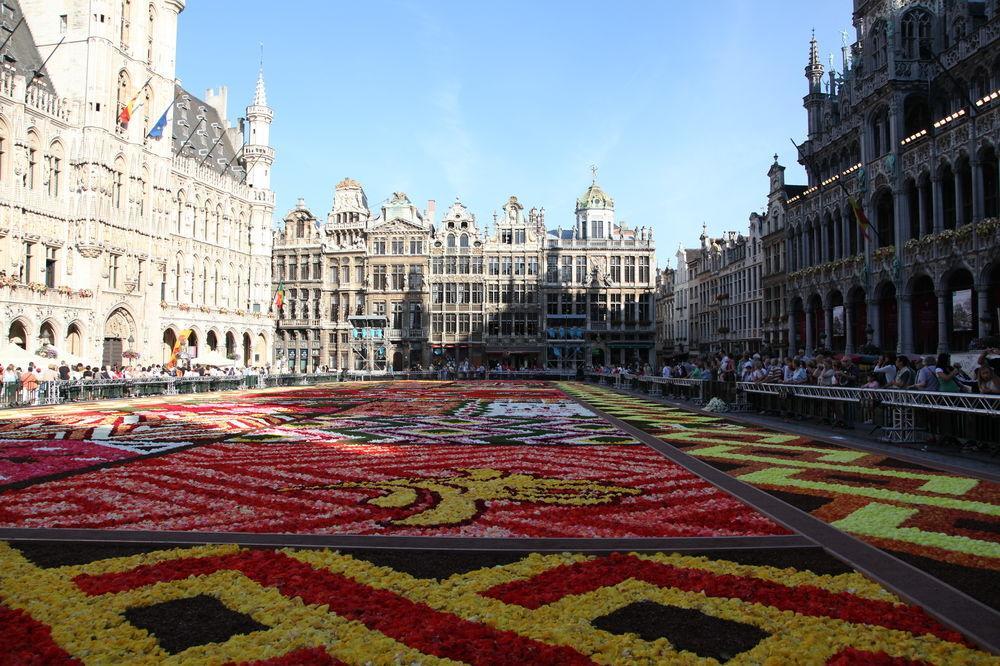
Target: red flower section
(855, 657)
(417, 625)
(318, 488)
(316, 656)
(25, 641)
(28, 459)
(584, 577)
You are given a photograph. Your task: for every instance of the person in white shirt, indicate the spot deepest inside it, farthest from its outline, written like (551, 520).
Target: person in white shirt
(666, 371)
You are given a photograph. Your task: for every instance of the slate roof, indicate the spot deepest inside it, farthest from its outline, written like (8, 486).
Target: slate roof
(20, 52)
(795, 190)
(188, 113)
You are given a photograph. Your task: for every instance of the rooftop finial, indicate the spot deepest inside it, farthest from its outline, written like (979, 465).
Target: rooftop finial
(593, 172)
(260, 95)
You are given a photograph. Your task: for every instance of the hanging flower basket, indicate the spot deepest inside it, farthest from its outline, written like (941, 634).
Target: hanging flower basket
(47, 351)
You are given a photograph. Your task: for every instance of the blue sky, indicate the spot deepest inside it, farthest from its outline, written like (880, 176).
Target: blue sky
(680, 107)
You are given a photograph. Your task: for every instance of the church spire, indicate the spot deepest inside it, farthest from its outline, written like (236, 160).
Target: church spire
(814, 70)
(260, 95)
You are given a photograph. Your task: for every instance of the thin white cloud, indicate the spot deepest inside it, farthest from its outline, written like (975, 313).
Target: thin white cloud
(449, 143)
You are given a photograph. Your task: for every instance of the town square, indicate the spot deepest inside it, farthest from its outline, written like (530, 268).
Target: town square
(428, 332)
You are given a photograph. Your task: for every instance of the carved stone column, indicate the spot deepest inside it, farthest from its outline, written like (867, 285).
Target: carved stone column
(848, 328)
(942, 320)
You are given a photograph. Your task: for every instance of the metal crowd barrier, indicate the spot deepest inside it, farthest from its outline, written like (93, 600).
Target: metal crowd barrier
(901, 416)
(13, 394)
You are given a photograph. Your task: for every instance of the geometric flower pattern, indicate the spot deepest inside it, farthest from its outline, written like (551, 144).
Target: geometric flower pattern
(945, 523)
(322, 606)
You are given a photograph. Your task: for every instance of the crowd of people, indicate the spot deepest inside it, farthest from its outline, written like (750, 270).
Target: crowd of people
(928, 373)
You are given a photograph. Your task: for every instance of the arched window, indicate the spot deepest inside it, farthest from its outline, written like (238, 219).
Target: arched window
(124, 95)
(126, 22)
(879, 126)
(218, 223)
(204, 283)
(180, 210)
(877, 44)
(451, 240)
(916, 114)
(150, 32)
(31, 174)
(147, 109)
(980, 83)
(958, 30)
(54, 168)
(178, 276)
(215, 286)
(917, 42)
(464, 240)
(118, 184)
(4, 149)
(300, 228)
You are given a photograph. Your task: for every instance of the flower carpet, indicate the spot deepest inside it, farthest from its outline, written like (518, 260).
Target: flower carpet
(945, 524)
(413, 459)
(226, 605)
(438, 466)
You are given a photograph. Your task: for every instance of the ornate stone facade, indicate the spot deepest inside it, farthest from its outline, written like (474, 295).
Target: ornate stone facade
(454, 290)
(909, 129)
(111, 240)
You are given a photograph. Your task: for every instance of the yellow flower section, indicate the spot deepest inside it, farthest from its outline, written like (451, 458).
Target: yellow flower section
(93, 628)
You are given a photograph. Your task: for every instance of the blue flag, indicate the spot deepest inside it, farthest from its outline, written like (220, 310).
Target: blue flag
(157, 130)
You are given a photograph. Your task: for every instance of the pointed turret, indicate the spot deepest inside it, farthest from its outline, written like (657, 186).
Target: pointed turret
(814, 70)
(258, 152)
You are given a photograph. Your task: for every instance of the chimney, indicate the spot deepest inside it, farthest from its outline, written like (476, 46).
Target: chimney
(431, 209)
(218, 100)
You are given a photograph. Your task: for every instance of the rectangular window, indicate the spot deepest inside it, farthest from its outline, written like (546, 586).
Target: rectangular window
(397, 246)
(519, 236)
(464, 324)
(450, 293)
(552, 269)
(630, 269)
(317, 272)
(630, 312)
(380, 278)
(494, 293)
(493, 324)
(437, 265)
(379, 247)
(506, 266)
(462, 293)
(379, 308)
(397, 314)
(359, 273)
(416, 247)
(437, 324)
(416, 276)
(506, 236)
(519, 266)
(450, 323)
(477, 266)
(644, 270)
(532, 266)
(437, 292)
(293, 271)
(597, 229)
(416, 317)
(398, 277)
(552, 304)
(581, 270)
(494, 266)
(464, 265)
(451, 265)
(477, 293)
(566, 270)
(616, 269)
(50, 267)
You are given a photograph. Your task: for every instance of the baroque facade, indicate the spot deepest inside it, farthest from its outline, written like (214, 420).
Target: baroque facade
(908, 128)
(112, 241)
(455, 290)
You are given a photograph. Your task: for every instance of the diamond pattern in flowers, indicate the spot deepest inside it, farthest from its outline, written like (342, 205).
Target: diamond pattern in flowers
(224, 604)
